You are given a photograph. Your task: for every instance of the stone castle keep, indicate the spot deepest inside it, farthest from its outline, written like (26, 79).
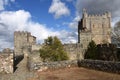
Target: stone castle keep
(90, 27)
(94, 27)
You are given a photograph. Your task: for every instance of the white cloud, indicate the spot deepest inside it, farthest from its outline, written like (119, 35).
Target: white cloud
(74, 23)
(114, 21)
(3, 3)
(5, 44)
(68, 37)
(20, 20)
(59, 9)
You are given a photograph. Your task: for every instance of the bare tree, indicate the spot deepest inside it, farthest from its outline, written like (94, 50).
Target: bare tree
(116, 32)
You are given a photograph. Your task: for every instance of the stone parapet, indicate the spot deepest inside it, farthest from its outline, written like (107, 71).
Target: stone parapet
(41, 66)
(107, 66)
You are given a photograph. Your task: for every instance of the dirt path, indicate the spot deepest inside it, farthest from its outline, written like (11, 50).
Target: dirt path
(76, 73)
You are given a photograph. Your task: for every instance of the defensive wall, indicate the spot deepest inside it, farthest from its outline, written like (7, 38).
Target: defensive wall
(107, 66)
(41, 66)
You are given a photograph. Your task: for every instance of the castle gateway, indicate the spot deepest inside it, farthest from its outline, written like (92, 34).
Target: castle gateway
(94, 27)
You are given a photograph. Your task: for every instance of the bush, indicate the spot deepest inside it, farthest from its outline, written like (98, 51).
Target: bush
(101, 52)
(53, 50)
(91, 52)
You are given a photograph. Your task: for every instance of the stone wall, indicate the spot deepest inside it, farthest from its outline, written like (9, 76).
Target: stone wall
(41, 66)
(85, 39)
(36, 47)
(6, 61)
(107, 66)
(23, 40)
(71, 50)
(74, 51)
(107, 52)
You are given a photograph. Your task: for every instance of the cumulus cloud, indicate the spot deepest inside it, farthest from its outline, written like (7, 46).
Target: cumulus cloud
(20, 20)
(59, 9)
(74, 23)
(68, 37)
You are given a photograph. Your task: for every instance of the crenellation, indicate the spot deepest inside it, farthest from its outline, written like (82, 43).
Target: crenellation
(104, 15)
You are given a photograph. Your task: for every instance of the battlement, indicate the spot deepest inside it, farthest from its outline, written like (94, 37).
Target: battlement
(104, 15)
(22, 33)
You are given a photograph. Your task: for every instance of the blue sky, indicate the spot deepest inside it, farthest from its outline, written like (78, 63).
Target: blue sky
(39, 10)
(45, 18)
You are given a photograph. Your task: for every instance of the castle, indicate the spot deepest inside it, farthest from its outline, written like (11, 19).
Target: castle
(90, 27)
(94, 27)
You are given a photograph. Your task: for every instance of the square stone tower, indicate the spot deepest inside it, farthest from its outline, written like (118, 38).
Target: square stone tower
(23, 40)
(94, 27)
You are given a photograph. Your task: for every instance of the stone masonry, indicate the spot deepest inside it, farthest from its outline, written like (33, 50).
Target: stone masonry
(94, 27)
(6, 61)
(23, 41)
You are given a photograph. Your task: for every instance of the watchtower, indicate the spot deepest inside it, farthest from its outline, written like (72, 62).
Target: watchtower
(23, 40)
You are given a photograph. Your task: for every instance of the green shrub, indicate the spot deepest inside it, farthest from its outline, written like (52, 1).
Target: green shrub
(53, 50)
(91, 52)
